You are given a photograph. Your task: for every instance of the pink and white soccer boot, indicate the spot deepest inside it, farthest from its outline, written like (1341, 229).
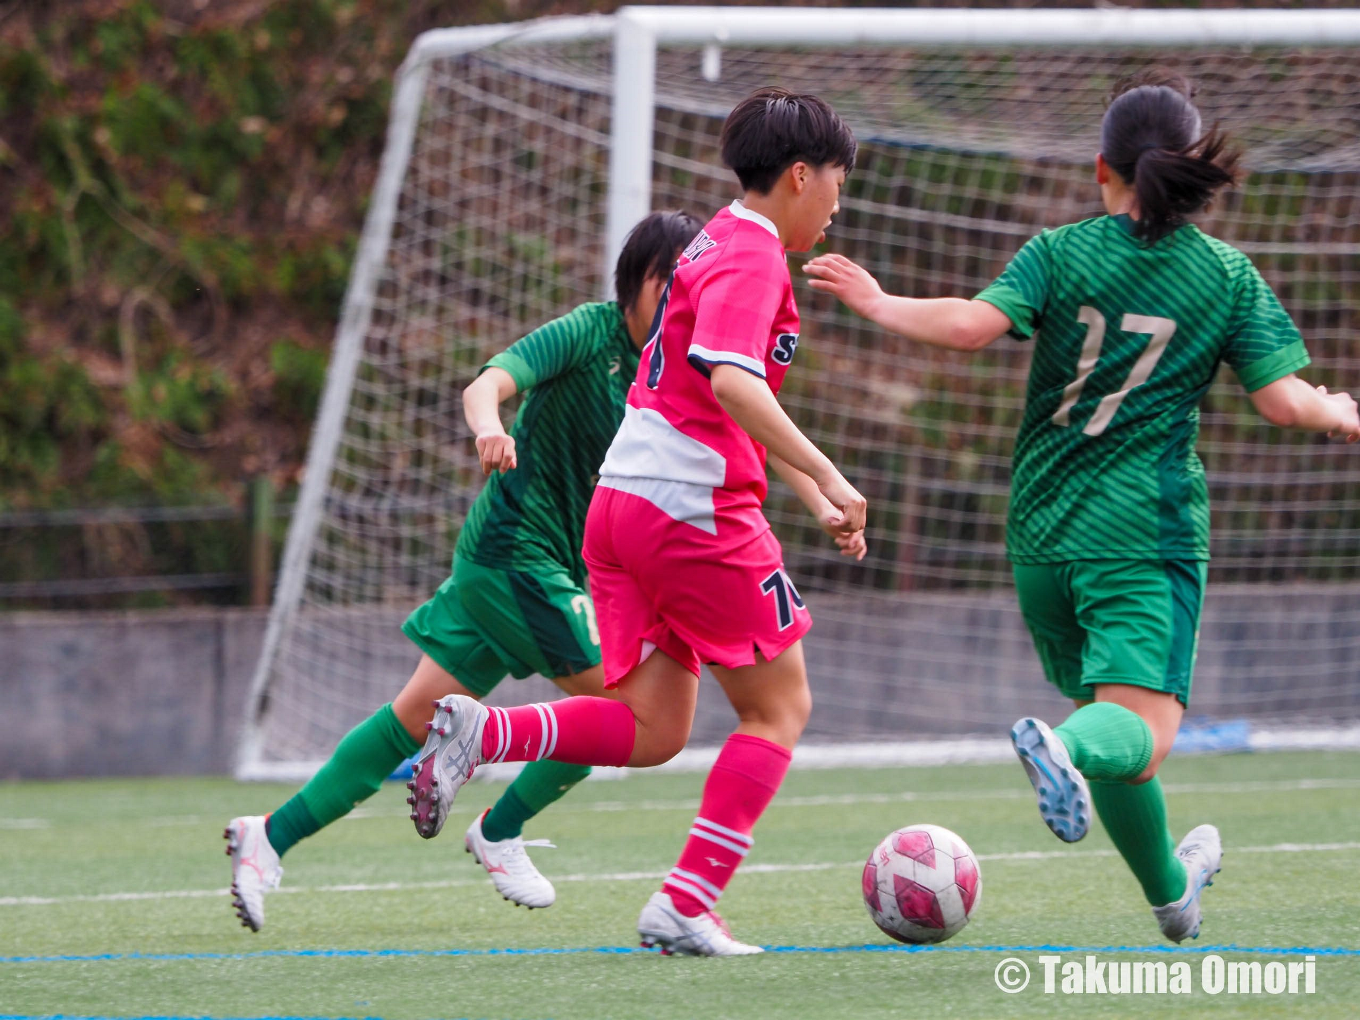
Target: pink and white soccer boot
(511, 871)
(660, 924)
(255, 868)
(451, 752)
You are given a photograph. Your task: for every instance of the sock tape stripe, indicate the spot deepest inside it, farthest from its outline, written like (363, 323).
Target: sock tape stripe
(680, 885)
(723, 830)
(503, 733)
(698, 880)
(495, 720)
(543, 732)
(726, 844)
(552, 723)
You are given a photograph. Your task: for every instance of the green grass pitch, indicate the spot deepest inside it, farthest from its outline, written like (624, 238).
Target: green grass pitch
(111, 902)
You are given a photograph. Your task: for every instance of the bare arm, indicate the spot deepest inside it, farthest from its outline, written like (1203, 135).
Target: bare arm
(747, 398)
(806, 490)
(1292, 403)
(944, 322)
(481, 409)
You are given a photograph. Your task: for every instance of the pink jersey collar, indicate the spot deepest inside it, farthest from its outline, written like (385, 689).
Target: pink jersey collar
(741, 212)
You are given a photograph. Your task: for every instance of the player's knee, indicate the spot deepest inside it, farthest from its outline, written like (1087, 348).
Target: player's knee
(782, 722)
(655, 749)
(1161, 747)
(1146, 775)
(657, 742)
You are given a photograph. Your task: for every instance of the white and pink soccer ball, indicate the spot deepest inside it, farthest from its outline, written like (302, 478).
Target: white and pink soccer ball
(921, 884)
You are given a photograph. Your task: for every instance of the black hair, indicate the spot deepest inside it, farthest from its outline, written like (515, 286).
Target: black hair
(650, 249)
(773, 128)
(1152, 137)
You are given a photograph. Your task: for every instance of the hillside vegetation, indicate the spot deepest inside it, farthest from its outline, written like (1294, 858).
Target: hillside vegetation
(183, 184)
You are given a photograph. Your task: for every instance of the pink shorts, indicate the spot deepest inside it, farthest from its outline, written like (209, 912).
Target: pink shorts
(695, 596)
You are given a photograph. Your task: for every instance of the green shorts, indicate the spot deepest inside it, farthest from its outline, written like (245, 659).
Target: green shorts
(1114, 622)
(484, 623)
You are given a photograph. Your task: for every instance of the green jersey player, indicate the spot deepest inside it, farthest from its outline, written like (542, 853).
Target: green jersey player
(1130, 315)
(517, 600)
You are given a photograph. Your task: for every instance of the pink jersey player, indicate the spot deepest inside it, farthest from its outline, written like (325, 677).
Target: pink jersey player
(684, 569)
(684, 482)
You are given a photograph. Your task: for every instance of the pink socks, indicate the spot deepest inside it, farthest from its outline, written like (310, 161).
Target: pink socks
(580, 731)
(741, 785)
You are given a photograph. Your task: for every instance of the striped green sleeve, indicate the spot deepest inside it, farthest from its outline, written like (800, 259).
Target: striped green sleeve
(550, 350)
(1022, 290)
(1264, 345)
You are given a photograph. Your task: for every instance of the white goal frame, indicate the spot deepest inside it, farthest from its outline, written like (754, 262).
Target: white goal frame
(636, 33)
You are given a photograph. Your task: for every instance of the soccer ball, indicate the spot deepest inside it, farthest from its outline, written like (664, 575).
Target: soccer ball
(921, 884)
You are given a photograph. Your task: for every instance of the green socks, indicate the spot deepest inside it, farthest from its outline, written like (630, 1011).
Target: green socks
(1111, 746)
(362, 760)
(1135, 818)
(537, 786)
(1107, 742)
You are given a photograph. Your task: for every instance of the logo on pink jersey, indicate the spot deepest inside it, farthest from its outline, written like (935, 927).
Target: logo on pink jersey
(701, 243)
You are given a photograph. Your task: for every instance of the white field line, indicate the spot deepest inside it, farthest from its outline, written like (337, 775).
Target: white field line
(880, 754)
(908, 796)
(620, 876)
(815, 800)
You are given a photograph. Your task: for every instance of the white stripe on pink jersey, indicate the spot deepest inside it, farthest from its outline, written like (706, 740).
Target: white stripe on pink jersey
(697, 353)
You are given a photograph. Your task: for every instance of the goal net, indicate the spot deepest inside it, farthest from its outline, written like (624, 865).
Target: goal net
(493, 215)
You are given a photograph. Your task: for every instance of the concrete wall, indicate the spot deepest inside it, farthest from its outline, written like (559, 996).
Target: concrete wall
(163, 692)
(128, 693)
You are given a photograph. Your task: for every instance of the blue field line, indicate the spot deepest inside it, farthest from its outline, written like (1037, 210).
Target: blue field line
(71, 1016)
(66, 1016)
(364, 954)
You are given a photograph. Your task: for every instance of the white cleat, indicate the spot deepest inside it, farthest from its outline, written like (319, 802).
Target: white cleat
(1064, 797)
(451, 752)
(255, 868)
(1202, 852)
(660, 924)
(511, 871)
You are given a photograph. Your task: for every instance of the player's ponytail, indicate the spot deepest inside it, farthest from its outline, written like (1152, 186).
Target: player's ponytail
(1152, 138)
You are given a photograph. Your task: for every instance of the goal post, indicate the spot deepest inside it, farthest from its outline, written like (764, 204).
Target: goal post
(518, 157)
(639, 30)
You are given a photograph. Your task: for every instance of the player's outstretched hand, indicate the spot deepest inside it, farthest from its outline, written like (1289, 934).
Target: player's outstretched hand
(852, 545)
(847, 512)
(497, 451)
(1345, 407)
(849, 281)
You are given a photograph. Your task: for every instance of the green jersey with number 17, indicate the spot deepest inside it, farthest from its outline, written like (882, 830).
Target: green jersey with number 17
(1130, 336)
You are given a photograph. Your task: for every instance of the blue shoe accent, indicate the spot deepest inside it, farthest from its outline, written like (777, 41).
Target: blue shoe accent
(1064, 797)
